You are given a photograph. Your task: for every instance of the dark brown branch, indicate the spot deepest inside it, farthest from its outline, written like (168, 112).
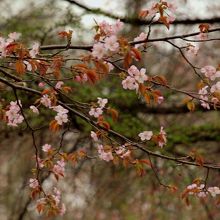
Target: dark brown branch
(137, 21)
(89, 47)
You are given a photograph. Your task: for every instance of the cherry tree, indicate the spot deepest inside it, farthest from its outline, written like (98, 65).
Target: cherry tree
(43, 74)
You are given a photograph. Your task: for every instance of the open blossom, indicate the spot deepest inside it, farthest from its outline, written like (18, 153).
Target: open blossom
(59, 84)
(61, 116)
(35, 50)
(215, 87)
(13, 114)
(28, 65)
(14, 36)
(96, 112)
(45, 100)
(107, 156)
(94, 136)
(111, 29)
(214, 191)
(59, 168)
(139, 75)
(33, 183)
(98, 50)
(46, 147)
(34, 109)
(130, 83)
(102, 102)
(146, 135)
(111, 43)
(162, 138)
(210, 72)
(141, 37)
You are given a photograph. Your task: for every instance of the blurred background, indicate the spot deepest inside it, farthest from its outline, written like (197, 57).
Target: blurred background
(94, 189)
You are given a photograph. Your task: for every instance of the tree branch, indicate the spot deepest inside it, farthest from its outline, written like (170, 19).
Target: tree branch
(137, 21)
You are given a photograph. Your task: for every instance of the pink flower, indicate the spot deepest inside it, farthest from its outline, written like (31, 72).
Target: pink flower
(35, 50)
(162, 137)
(107, 156)
(130, 83)
(98, 50)
(210, 72)
(102, 102)
(59, 168)
(59, 84)
(111, 43)
(118, 26)
(94, 136)
(33, 183)
(215, 87)
(34, 109)
(96, 112)
(14, 36)
(13, 114)
(28, 65)
(146, 135)
(46, 147)
(139, 76)
(45, 100)
(61, 118)
(160, 99)
(41, 84)
(142, 36)
(214, 191)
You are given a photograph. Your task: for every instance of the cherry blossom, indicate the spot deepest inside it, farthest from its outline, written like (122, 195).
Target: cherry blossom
(107, 156)
(59, 84)
(162, 137)
(33, 183)
(28, 65)
(102, 102)
(214, 191)
(94, 136)
(45, 100)
(139, 76)
(96, 112)
(146, 135)
(98, 50)
(34, 109)
(61, 116)
(14, 36)
(210, 72)
(46, 147)
(13, 114)
(35, 50)
(130, 83)
(111, 43)
(59, 168)
(215, 87)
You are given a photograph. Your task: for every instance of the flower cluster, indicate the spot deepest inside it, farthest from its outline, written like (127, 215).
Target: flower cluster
(122, 152)
(135, 76)
(52, 200)
(5, 42)
(109, 42)
(33, 183)
(13, 114)
(97, 111)
(59, 168)
(211, 73)
(61, 116)
(161, 138)
(107, 156)
(200, 191)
